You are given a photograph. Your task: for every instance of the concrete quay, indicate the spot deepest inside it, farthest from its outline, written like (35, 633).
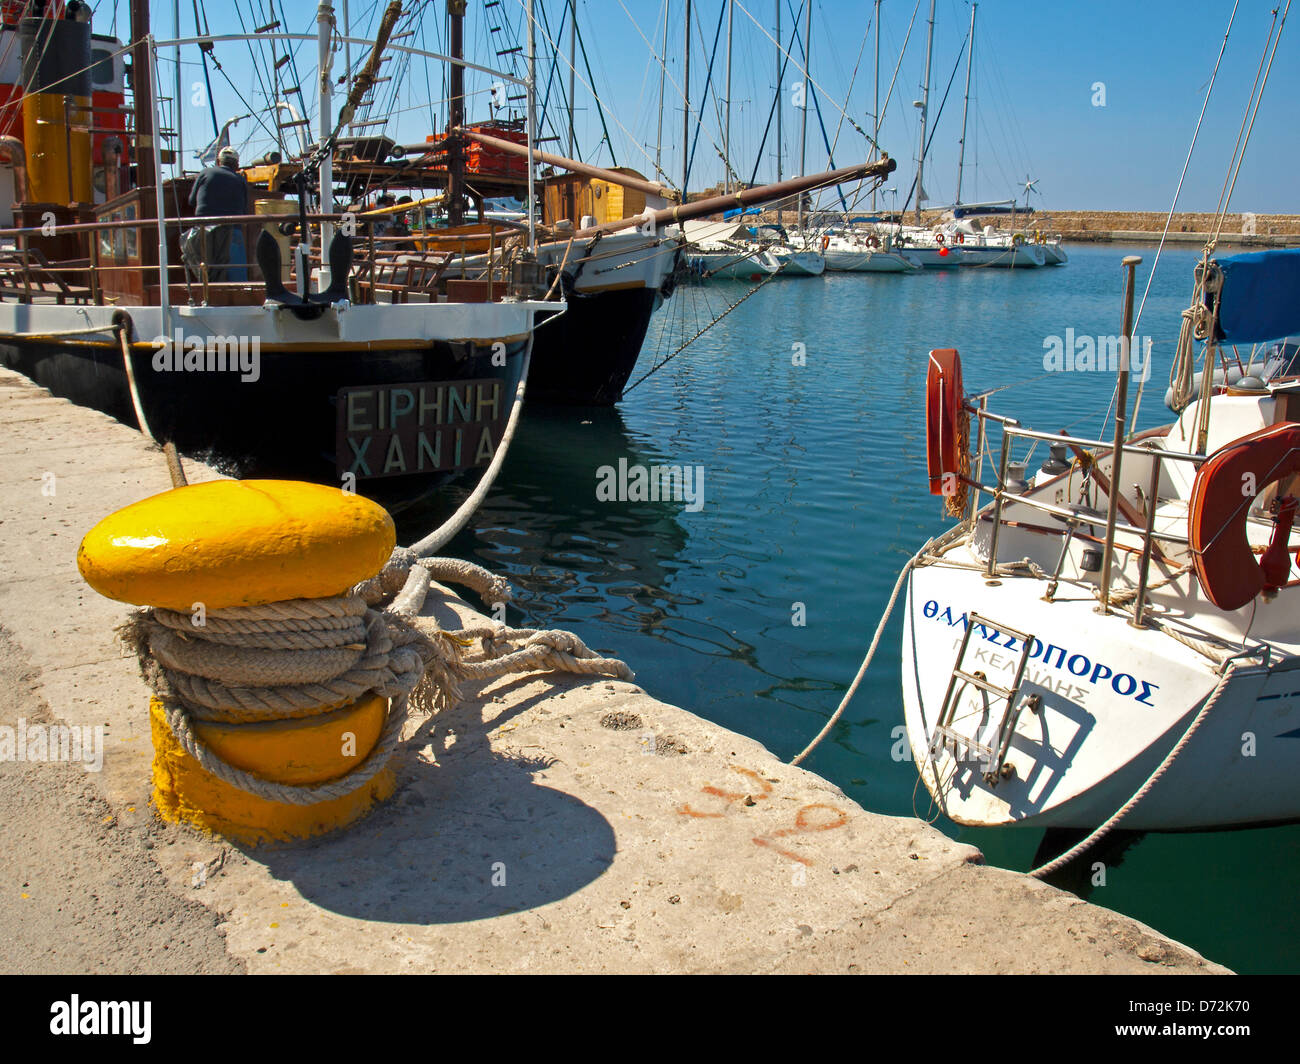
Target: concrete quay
(546, 824)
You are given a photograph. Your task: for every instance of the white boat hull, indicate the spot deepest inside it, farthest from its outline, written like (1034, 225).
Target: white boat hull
(1115, 700)
(801, 263)
(1054, 254)
(733, 265)
(936, 258)
(866, 261)
(1021, 256)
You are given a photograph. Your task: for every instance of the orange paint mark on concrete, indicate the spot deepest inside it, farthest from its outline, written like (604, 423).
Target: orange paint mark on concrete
(686, 810)
(808, 820)
(729, 797)
(764, 841)
(805, 824)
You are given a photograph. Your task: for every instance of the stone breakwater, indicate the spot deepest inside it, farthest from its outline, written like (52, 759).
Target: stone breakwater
(1239, 228)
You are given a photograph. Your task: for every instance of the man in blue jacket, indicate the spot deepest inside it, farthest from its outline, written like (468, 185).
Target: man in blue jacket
(219, 190)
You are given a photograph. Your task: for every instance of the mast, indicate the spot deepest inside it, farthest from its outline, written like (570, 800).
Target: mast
(803, 117)
(925, 113)
(686, 112)
(875, 109)
(726, 135)
(347, 45)
(324, 26)
(142, 96)
(961, 152)
(663, 67)
(532, 121)
(779, 104)
(456, 113)
(176, 104)
(573, 70)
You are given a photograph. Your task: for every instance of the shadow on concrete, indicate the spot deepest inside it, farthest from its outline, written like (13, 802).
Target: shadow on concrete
(470, 837)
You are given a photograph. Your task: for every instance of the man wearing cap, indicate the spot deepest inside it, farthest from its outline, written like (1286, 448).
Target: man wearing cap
(219, 190)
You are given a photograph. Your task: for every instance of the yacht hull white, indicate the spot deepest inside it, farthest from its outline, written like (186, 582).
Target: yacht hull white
(800, 263)
(1114, 701)
(866, 261)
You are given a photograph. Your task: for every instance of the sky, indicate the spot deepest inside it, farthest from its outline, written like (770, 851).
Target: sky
(1094, 101)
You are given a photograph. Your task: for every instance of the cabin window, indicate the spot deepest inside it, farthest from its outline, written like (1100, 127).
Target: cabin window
(101, 67)
(132, 236)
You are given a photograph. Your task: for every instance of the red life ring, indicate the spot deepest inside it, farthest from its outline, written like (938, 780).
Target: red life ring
(938, 238)
(1216, 519)
(961, 238)
(945, 418)
(873, 242)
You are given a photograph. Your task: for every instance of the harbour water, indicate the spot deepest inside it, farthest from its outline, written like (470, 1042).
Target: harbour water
(802, 409)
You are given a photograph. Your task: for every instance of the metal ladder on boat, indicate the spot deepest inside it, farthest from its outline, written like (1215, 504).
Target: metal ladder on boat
(948, 737)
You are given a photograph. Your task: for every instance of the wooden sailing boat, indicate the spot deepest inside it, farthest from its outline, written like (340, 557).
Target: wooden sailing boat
(301, 372)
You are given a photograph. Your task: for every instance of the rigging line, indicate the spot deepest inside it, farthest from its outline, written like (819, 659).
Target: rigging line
(852, 80)
(938, 114)
(1209, 89)
(701, 332)
(776, 100)
(708, 80)
(257, 73)
(826, 140)
(901, 52)
(1254, 114)
(600, 110)
(677, 88)
(545, 119)
(201, 30)
(811, 80)
(293, 61)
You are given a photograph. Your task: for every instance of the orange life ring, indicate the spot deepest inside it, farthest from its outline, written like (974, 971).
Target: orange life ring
(945, 417)
(826, 242)
(1216, 519)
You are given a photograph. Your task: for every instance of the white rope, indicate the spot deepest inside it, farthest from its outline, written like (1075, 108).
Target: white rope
(308, 657)
(866, 661)
(440, 537)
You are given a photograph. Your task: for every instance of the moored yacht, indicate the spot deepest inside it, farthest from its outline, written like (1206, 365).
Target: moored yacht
(1115, 636)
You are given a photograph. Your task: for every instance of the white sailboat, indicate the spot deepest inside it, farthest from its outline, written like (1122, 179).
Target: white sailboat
(1073, 654)
(850, 251)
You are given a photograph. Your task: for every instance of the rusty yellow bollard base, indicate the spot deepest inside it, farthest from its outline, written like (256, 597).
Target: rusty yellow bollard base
(300, 751)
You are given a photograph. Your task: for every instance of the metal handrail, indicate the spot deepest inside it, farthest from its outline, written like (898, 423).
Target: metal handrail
(1148, 535)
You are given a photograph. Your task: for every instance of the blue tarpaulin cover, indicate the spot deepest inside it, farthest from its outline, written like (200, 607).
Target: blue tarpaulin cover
(1261, 296)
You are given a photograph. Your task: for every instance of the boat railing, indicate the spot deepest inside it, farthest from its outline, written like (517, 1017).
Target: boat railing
(1146, 532)
(422, 262)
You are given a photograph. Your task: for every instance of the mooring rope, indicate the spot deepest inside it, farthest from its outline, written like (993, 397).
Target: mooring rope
(866, 661)
(1105, 829)
(301, 658)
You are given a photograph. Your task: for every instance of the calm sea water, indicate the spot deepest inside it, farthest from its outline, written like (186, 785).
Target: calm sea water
(814, 493)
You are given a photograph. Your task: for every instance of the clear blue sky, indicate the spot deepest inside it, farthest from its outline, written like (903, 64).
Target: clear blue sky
(1032, 108)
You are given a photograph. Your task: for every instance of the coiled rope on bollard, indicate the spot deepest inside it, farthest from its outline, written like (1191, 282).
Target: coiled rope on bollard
(300, 658)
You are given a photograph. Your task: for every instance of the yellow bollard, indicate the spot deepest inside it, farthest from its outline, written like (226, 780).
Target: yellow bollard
(209, 547)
